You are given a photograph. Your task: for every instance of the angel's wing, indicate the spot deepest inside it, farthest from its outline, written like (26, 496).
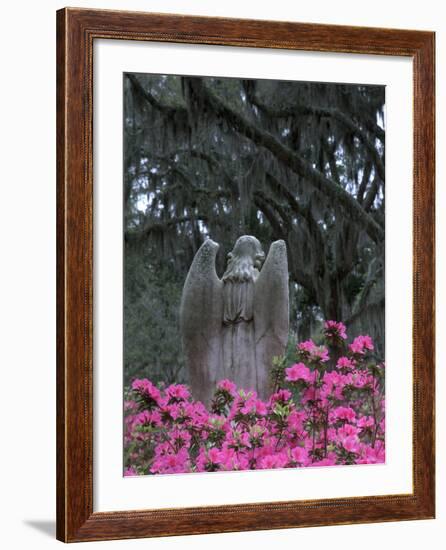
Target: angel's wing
(271, 312)
(201, 314)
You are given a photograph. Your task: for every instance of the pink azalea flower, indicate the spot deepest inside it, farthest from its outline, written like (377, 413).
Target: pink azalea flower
(214, 455)
(296, 420)
(373, 455)
(347, 430)
(260, 408)
(281, 396)
(333, 385)
(336, 328)
(171, 463)
(298, 372)
(345, 363)
(343, 413)
(365, 422)
(248, 407)
(152, 418)
(329, 460)
(351, 444)
(209, 460)
(299, 455)
(178, 391)
(361, 379)
(181, 438)
(146, 389)
(314, 353)
(269, 462)
(321, 353)
(360, 344)
(173, 410)
(228, 386)
(307, 346)
(232, 460)
(308, 395)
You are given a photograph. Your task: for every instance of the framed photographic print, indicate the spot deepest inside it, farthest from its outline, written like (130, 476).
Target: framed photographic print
(245, 308)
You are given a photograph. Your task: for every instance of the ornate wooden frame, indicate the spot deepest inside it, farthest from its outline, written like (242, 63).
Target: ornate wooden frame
(76, 31)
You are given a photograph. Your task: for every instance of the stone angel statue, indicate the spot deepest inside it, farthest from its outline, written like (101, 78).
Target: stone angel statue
(233, 327)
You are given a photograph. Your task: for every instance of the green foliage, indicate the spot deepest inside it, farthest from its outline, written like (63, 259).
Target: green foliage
(151, 333)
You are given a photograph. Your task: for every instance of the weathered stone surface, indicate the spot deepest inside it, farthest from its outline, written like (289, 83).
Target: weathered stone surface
(233, 327)
(201, 314)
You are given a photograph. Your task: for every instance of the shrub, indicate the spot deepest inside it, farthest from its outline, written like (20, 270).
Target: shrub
(327, 408)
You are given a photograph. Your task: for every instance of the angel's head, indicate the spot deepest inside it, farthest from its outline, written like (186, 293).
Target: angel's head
(245, 260)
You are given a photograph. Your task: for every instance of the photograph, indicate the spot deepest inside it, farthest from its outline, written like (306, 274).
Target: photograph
(254, 274)
(221, 316)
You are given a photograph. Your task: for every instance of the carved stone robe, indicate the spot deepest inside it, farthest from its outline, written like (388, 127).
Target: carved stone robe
(239, 358)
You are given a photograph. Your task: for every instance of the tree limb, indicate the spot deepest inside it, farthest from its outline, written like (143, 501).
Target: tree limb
(263, 138)
(294, 161)
(150, 98)
(370, 197)
(330, 112)
(139, 234)
(303, 212)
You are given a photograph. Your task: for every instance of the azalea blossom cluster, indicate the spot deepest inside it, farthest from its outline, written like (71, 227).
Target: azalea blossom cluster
(326, 409)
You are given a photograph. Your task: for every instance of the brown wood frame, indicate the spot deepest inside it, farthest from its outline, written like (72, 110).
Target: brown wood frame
(76, 31)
